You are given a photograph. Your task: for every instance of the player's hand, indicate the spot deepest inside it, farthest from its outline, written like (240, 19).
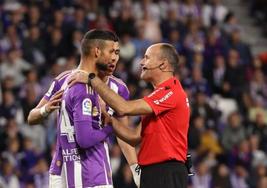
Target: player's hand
(77, 77)
(54, 102)
(106, 118)
(136, 171)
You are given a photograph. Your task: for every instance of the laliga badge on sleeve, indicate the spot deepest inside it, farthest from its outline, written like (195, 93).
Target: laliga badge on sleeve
(87, 106)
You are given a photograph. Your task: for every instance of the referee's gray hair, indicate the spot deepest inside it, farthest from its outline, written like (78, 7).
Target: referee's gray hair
(169, 52)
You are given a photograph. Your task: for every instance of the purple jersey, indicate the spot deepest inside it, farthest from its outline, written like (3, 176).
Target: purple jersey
(57, 84)
(82, 139)
(118, 86)
(71, 152)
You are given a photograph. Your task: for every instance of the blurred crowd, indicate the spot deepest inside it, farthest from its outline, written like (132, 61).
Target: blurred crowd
(258, 10)
(226, 84)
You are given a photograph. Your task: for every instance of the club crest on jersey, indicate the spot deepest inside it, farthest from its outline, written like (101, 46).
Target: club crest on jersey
(87, 106)
(95, 111)
(58, 163)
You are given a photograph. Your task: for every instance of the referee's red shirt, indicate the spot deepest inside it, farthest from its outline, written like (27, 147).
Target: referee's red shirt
(164, 133)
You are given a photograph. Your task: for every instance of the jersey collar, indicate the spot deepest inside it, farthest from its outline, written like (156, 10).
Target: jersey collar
(168, 83)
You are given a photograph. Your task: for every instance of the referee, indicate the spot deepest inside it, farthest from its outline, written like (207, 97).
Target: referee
(165, 121)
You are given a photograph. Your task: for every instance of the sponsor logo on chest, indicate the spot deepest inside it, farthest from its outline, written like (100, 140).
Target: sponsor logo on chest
(164, 98)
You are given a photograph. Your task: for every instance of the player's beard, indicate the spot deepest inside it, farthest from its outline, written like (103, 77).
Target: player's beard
(101, 66)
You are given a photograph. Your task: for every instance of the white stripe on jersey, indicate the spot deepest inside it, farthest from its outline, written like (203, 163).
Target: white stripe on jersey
(65, 84)
(49, 92)
(107, 155)
(78, 174)
(66, 174)
(105, 169)
(65, 126)
(115, 88)
(63, 178)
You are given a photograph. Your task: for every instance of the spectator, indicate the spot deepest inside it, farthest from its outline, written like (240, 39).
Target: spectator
(171, 23)
(8, 178)
(258, 156)
(151, 27)
(124, 24)
(214, 13)
(33, 18)
(209, 143)
(203, 177)
(28, 160)
(213, 48)
(234, 132)
(40, 174)
(12, 154)
(197, 83)
(55, 46)
(258, 173)
(259, 128)
(14, 66)
(189, 10)
(201, 107)
(10, 40)
(258, 86)
(239, 177)
(242, 48)
(174, 38)
(127, 49)
(218, 74)
(221, 177)
(80, 22)
(234, 80)
(196, 129)
(10, 108)
(34, 47)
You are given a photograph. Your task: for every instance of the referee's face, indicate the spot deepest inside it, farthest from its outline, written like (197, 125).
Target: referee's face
(150, 63)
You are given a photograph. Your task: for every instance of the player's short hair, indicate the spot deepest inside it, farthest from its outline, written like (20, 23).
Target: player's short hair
(97, 38)
(169, 52)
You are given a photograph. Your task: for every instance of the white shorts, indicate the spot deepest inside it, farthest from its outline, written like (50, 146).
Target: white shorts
(56, 181)
(59, 181)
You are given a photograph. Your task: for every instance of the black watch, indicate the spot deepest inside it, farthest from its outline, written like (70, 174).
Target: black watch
(90, 77)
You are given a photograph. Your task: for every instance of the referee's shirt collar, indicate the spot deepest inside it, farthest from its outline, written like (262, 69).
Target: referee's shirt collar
(168, 83)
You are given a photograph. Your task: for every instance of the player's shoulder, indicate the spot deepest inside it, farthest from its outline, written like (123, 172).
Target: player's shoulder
(63, 75)
(79, 87)
(117, 81)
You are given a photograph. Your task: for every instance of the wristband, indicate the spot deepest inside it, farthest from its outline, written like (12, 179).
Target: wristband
(43, 111)
(90, 77)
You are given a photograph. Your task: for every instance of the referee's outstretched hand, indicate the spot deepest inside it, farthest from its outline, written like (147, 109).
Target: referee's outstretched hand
(77, 76)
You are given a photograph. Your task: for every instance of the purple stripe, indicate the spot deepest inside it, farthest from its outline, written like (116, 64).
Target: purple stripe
(70, 174)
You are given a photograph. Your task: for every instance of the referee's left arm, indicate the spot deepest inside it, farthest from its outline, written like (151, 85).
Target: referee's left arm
(130, 135)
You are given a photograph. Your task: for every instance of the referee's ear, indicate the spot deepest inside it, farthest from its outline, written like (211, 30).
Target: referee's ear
(164, 64)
